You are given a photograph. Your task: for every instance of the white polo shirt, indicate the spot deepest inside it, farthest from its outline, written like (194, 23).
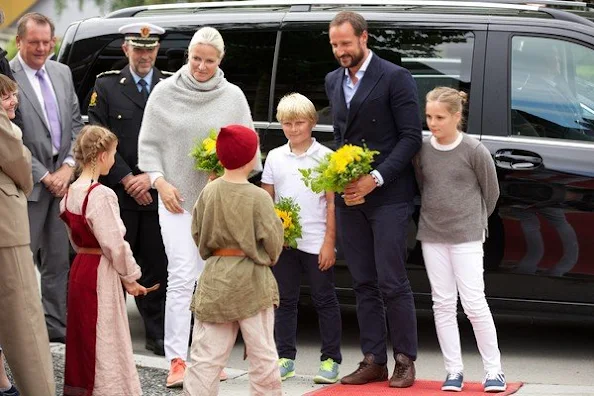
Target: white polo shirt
(282, 170)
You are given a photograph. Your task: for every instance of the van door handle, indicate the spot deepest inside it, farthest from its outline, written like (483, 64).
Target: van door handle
(517, 159)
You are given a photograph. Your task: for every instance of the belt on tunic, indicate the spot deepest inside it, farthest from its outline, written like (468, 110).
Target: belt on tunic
(229, 252)
(84, 250)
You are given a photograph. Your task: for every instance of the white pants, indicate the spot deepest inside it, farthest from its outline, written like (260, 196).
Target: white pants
(212, 344)
(454, 269)
(183, 268)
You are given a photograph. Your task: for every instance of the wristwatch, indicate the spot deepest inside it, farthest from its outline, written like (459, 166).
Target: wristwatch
(375, 179)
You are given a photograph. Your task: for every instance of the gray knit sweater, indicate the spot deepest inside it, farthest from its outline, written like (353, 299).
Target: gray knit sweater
(179, 112)
(459, 190)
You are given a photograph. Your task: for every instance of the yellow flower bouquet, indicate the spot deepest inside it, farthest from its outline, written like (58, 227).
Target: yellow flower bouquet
(338, 169)
(205, 156)
(288, 211)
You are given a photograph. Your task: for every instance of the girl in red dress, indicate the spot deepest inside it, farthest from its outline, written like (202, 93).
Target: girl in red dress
(99, 359)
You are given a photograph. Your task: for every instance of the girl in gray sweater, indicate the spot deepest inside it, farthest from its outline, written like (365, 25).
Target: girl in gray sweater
(459, 190)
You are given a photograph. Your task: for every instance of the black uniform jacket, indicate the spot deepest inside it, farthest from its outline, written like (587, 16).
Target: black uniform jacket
(117, 105)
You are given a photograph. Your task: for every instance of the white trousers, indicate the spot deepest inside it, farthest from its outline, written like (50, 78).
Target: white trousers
(212, 344)
(454, 269)
(183, 268)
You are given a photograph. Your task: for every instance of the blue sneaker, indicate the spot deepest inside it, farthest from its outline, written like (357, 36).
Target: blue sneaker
(328, 372)
(454, 383)
(495, 382)
(286, 367)
(11, 392)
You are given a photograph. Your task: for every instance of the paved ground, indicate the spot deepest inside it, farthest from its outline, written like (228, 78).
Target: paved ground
(552, 359)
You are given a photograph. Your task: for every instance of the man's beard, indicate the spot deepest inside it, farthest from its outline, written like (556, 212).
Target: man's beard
(355, 60)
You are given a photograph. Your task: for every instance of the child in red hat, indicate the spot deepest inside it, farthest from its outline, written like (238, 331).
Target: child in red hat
(240, 237)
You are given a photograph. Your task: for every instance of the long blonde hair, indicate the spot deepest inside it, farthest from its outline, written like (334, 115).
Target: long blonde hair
(92, 141)
(453, 99)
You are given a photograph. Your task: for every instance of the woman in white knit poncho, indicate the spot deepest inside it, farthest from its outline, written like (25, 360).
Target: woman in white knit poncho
(180, 111)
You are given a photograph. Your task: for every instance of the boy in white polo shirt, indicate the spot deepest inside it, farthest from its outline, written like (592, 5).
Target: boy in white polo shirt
(315, 254)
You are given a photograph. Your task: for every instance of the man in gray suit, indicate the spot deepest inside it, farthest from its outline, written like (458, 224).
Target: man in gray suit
(51, 121)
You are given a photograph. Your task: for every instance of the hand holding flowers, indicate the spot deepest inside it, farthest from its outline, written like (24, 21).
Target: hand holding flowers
(288, 211)
(205, 156)
(340, 170)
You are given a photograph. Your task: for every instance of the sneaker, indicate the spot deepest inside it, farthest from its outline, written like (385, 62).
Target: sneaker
(286, 367)
(495, 382)
(10, 392)
(453, 383)
(175, 379)
(328, 372)
(223, 375)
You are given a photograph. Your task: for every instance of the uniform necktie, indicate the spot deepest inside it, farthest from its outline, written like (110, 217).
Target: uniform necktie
(51, 108)
(144, 89)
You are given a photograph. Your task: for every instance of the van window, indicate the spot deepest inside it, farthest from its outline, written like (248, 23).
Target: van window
(247, 63)
(434, 57)
(552, 89)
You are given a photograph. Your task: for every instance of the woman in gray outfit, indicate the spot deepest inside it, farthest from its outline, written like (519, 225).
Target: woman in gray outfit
(459, 190)
(180, 111)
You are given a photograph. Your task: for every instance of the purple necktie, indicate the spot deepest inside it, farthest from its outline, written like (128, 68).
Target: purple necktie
(51, 108)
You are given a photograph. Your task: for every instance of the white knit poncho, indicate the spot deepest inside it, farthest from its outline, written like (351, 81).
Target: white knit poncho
(179, 112)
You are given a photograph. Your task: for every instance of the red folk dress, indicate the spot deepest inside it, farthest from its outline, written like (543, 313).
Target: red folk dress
(99, 358)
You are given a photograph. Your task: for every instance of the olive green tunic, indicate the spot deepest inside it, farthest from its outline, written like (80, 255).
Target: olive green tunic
(235, 216)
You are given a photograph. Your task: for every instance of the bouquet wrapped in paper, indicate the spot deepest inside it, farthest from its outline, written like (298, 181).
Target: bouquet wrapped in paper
(338, 169)
(288, 211)
(205, 156)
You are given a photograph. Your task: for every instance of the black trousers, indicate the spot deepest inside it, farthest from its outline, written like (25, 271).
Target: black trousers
(143, 233)
(374, 244)
(287, 272)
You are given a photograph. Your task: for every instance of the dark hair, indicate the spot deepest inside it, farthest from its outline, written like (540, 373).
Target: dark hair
(38, 18)
(358, 23)
(7, 86)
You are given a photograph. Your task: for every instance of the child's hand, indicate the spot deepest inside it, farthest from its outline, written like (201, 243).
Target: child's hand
(327, 256)
(135, 289)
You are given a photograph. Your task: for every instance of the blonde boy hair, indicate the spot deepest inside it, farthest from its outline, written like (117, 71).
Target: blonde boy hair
(295, 106)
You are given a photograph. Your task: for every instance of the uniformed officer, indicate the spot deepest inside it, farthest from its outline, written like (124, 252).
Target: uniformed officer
(118, 102)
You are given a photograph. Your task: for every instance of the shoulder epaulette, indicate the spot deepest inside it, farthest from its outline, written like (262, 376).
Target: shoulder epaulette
(108, 73)
(167, 73)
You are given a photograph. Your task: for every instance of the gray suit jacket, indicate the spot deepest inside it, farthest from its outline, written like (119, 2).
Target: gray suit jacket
(36, 132)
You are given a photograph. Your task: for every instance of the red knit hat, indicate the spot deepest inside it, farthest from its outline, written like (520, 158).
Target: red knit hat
(236, 146)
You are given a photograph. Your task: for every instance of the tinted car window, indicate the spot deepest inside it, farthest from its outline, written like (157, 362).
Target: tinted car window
(552, 89)
(434, 57)
(247, 63)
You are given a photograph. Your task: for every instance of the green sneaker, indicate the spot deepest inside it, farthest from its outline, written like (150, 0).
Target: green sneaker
(286, 367)
(328, 372)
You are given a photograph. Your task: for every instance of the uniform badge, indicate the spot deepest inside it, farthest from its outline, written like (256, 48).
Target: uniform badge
(145, 31)
(93, 101)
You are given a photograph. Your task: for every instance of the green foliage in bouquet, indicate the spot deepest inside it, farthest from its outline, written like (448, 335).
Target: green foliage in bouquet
(205, 155)
(339, 168)
(288, 211)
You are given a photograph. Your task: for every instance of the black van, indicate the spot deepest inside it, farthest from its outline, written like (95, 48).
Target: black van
(529, 73)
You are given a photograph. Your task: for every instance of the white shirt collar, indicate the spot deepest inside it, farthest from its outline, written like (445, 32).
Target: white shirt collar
(363, 67)
(446, 147)
(310, 150)
(28, 70)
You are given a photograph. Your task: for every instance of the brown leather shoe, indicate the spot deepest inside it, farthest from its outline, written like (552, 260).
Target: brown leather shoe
(404, 372)
(368, 371)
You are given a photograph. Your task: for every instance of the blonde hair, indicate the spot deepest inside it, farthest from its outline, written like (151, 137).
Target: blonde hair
(453, 99)
(92, 141)
(296, 106)
(209, 36)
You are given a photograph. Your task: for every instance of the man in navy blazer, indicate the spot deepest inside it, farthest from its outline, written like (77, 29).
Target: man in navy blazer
(374, 103)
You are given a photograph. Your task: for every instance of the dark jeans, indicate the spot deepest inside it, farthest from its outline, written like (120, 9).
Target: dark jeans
(374, 244)
(287, 272)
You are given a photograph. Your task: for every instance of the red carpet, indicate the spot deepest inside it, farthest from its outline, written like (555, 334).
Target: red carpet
(420, 388)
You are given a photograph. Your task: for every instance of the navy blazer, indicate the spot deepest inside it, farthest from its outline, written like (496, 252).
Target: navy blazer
(384, 116)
